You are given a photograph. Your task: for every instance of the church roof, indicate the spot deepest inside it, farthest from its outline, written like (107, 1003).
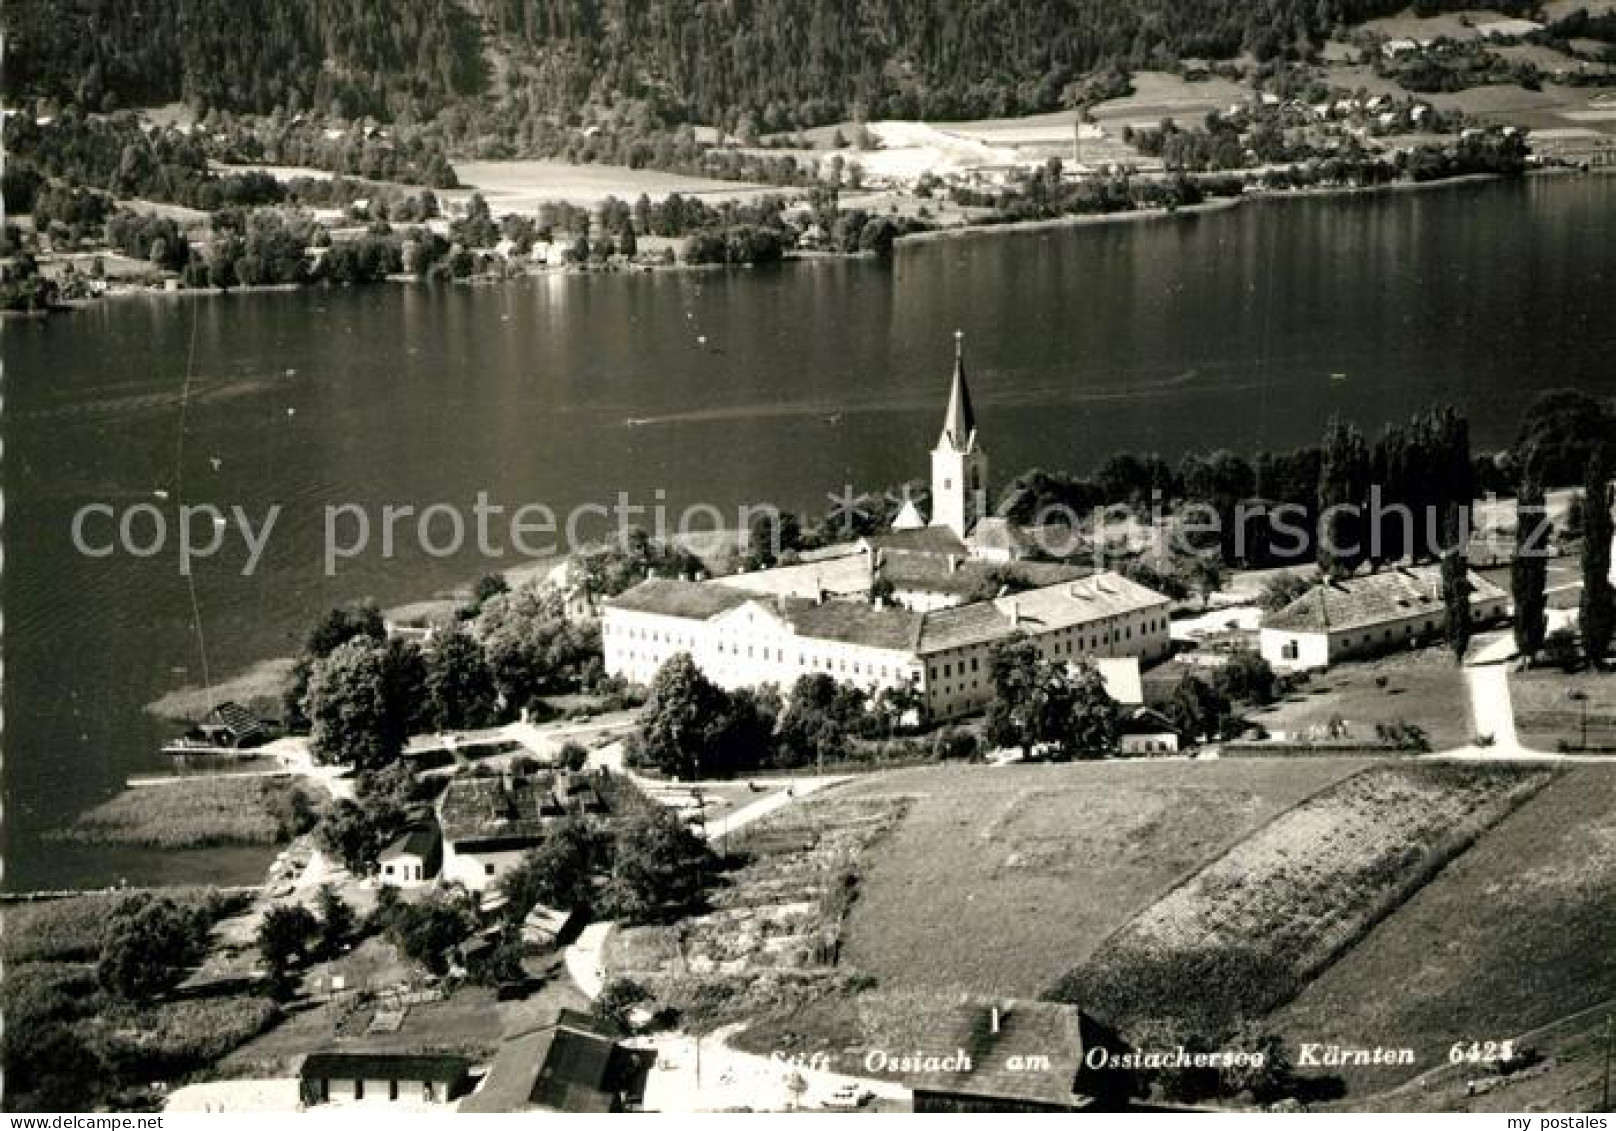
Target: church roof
(959, 425)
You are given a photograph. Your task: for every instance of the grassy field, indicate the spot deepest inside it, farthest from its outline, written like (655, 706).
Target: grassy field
(521, 186)
(200, 813)
(1546, 716)
(1512, 935)
(1060, 855)
(1425, 688)
(1249, 930)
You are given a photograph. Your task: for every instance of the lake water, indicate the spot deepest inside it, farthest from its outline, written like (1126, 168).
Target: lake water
(1218, 330)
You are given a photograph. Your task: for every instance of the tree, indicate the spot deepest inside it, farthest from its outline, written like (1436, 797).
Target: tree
(1040, 703)
(573, 756)
(460, 691)
(560, 873)
(148, 945)
(627, 244)
(616, 999)
(353, 708)
(660, 869)
(819, 717)
(1456, 600)
(1246, 677)
(337, 921)
(340, 625)
(356, 834)
(489, 586)
(1343, 487)
(1528, 570)
(1597, 615)
(1266, 1075)
(286, 933)
(1197, 708)
(676, 726)
(1096, 720)
(426, 932)
(1560, 433)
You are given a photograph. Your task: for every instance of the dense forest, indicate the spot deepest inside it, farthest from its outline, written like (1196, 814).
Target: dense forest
(775, 64)
(352, 57)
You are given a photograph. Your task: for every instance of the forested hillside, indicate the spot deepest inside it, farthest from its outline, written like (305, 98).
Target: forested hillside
(351, 57)
(785, 63)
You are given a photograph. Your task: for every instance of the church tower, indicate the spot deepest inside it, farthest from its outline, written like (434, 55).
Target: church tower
(959, 466)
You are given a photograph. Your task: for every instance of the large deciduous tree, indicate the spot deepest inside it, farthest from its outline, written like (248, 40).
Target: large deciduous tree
(148, 945)
(460, 690)
(659, 867)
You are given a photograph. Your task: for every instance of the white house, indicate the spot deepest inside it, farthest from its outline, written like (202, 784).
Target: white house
(412, 859)
(490, 823)
(1358, 617)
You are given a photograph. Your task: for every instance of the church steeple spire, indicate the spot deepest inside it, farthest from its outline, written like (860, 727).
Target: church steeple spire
(959, 466)
(959, 425)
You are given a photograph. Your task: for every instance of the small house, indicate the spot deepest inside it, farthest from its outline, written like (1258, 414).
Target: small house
(1148, 731)
(382, 1077)
(412, 859)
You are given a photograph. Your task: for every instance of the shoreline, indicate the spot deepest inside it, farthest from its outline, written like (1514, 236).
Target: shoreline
(1210, 206)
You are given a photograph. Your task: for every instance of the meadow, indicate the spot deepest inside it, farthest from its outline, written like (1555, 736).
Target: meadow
(1247, 932)
(1005, 877)
(201, 813)
(1511, 936)
(1425, 688)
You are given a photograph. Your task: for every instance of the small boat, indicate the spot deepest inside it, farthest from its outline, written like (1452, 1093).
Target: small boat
(635, 421)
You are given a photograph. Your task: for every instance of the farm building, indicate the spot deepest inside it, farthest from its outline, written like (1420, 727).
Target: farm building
(489, 823)
(382, 1077)
(1010, 1056)
(1362, 616)
(412, 859)
(1148, 731)
(569, 1065)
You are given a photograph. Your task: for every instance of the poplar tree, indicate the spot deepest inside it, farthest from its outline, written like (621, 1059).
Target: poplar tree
(1598, 612)
(1528, 571)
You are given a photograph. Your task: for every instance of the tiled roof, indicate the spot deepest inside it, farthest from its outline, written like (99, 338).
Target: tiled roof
(932, 573)
(1072, 602)
(1374, 598)
(569, 1065)
(413, 842)
(1036, 610)
(1029, 1032)
(924, 539)
(1091, 598)
(962, 625)
(688, 599)
(848, 575)
(492, 809)
(854, 622)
